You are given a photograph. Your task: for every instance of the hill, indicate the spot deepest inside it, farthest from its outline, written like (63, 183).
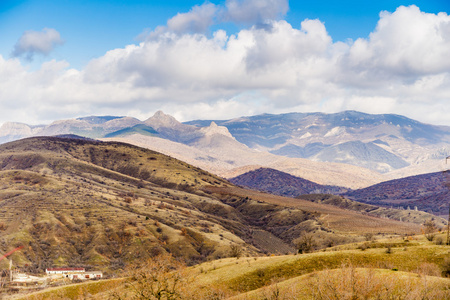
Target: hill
(281, 183)
(105, 204)
(427, 192)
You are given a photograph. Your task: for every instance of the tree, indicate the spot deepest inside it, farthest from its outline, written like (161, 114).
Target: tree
(429, 229)
(159, 277)
(306, 243)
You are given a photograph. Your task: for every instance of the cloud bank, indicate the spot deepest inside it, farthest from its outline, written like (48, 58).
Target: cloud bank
(37, 42)
(402, 67)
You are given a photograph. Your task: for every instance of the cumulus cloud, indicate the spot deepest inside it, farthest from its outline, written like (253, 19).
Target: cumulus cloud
(255, 11)
(407, 43)
(400, 68)
(37, 42)
(201, 17)
(197, 20)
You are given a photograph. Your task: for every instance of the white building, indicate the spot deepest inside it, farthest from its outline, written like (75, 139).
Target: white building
(73, 273)
(51, 271)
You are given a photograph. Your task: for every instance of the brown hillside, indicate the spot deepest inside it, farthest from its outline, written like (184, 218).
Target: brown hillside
(97, 204)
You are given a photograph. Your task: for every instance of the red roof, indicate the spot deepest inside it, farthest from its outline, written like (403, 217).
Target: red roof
(65, 269)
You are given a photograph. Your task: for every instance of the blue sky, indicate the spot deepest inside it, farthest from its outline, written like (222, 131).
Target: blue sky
(55, 62)
(90, 28)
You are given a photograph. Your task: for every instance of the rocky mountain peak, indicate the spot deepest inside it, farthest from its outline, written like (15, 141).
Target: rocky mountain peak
(12, 128)
(215, 129)
(160, 119)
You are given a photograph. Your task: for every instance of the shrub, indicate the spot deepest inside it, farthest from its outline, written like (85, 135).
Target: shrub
(429, 229)
(364, 246)
(446, 267)
(388, 249)
(235, 251)
(160, 277)
(306, 243)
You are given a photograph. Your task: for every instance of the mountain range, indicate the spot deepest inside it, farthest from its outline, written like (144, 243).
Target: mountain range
(348, 149)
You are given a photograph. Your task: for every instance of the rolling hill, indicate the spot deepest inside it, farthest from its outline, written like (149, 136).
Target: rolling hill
(426, 192)
(283, 184)
(79, 202)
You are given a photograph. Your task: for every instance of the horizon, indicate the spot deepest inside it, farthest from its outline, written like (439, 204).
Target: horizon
(225, 119)
(223, 59)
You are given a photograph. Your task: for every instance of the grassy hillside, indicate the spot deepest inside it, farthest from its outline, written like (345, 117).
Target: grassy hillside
(411, 268)
(104, 205)
(77, 202)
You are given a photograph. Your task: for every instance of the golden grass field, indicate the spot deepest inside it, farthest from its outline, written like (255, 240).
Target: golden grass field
(411, 272)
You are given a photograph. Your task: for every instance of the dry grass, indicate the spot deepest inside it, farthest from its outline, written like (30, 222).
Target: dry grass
(334, 218)
(355, 283)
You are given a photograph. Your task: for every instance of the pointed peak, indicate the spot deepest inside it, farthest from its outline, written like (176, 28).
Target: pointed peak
(216, 129)
(159, 114)
(160, 119)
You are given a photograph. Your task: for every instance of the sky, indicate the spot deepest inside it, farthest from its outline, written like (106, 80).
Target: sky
(223, 59)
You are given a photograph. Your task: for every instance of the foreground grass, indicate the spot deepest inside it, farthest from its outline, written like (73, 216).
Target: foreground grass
(412, 272)
(85, 290)
(248, 274)
(354, 283)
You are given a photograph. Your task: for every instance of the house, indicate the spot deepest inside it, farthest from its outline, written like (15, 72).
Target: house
(51, 271)
(74, 273)
(86, 275)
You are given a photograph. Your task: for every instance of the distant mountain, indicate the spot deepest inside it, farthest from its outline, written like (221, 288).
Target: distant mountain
(136, 129)
(384, 143)
(282, 184)
(91, 127)
(302, 144)
(428, 192)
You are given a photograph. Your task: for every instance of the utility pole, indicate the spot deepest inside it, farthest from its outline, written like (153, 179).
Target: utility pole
(10, 273)
(10, 261)
(448, 186)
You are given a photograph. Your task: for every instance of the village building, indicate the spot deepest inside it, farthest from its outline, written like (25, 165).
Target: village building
(51, 271)
(73, 273)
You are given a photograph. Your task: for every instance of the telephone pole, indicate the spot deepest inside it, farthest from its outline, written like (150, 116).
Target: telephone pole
(448, 186)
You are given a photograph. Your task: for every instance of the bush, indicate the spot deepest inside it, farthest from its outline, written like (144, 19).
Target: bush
(235, 251)
(388, 249)
(446, 267)
(306, 243)
(429, 229)
(160, 277)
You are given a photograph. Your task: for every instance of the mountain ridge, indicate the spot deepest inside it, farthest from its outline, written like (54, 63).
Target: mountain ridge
(389, 144)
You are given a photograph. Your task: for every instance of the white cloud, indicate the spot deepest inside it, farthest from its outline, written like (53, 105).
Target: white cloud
(405, 44)
(37, 42)
(201, 17)
(400, 68)
(197, 20)
(255, 11)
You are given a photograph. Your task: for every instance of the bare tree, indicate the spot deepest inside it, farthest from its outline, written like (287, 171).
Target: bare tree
(158, 278)
(429, 229)
(306, 243)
